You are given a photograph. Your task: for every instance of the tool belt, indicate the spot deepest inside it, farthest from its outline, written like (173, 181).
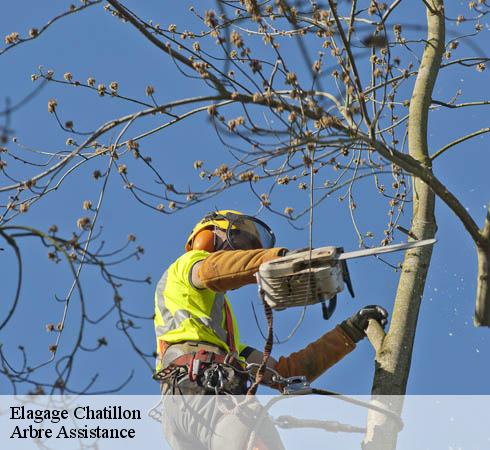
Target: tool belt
(209, 370)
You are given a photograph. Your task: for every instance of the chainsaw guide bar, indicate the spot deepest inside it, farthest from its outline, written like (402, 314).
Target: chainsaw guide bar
(308, 277)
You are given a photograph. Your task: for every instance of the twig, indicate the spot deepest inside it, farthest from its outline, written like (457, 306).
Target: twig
(458, 141)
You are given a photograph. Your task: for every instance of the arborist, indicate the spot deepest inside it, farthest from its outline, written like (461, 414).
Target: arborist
(198, 341)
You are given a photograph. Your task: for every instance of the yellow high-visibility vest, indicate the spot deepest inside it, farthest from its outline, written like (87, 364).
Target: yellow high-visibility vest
(185, 313)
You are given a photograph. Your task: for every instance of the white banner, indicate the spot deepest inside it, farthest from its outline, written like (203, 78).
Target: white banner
(226, 422)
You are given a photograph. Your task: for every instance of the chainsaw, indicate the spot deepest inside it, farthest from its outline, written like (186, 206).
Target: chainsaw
(307, 277)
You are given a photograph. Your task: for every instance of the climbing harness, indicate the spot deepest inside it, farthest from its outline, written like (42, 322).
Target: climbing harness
(205, 370)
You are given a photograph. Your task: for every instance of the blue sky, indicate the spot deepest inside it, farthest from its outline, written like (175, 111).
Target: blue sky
(450, 355)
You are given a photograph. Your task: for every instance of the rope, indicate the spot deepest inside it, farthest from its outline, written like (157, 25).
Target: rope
(268, 343)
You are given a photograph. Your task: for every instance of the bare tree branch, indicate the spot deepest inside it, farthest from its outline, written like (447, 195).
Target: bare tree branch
(458, 141)
(35, 33)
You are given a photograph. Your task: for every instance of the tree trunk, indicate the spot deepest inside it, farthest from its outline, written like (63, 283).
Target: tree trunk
(394, 357)
(482, 312)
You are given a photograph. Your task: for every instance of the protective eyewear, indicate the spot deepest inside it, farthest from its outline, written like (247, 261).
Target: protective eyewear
(246, 232)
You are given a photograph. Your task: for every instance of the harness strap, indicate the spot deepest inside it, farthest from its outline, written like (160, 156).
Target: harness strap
(196, 359)
(162, 347)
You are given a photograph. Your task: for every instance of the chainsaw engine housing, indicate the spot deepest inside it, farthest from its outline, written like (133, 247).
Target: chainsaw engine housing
(312, 276)
(302, 278)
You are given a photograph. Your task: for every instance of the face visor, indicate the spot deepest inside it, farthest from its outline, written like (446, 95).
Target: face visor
(245, 232)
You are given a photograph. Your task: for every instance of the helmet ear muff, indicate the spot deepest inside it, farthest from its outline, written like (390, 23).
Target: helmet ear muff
(204, 240)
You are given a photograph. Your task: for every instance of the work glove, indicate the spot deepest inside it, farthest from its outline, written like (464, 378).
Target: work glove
(355, 326)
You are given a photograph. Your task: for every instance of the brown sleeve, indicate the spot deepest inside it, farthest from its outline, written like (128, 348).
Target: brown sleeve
(317, 357)
(231, 269)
